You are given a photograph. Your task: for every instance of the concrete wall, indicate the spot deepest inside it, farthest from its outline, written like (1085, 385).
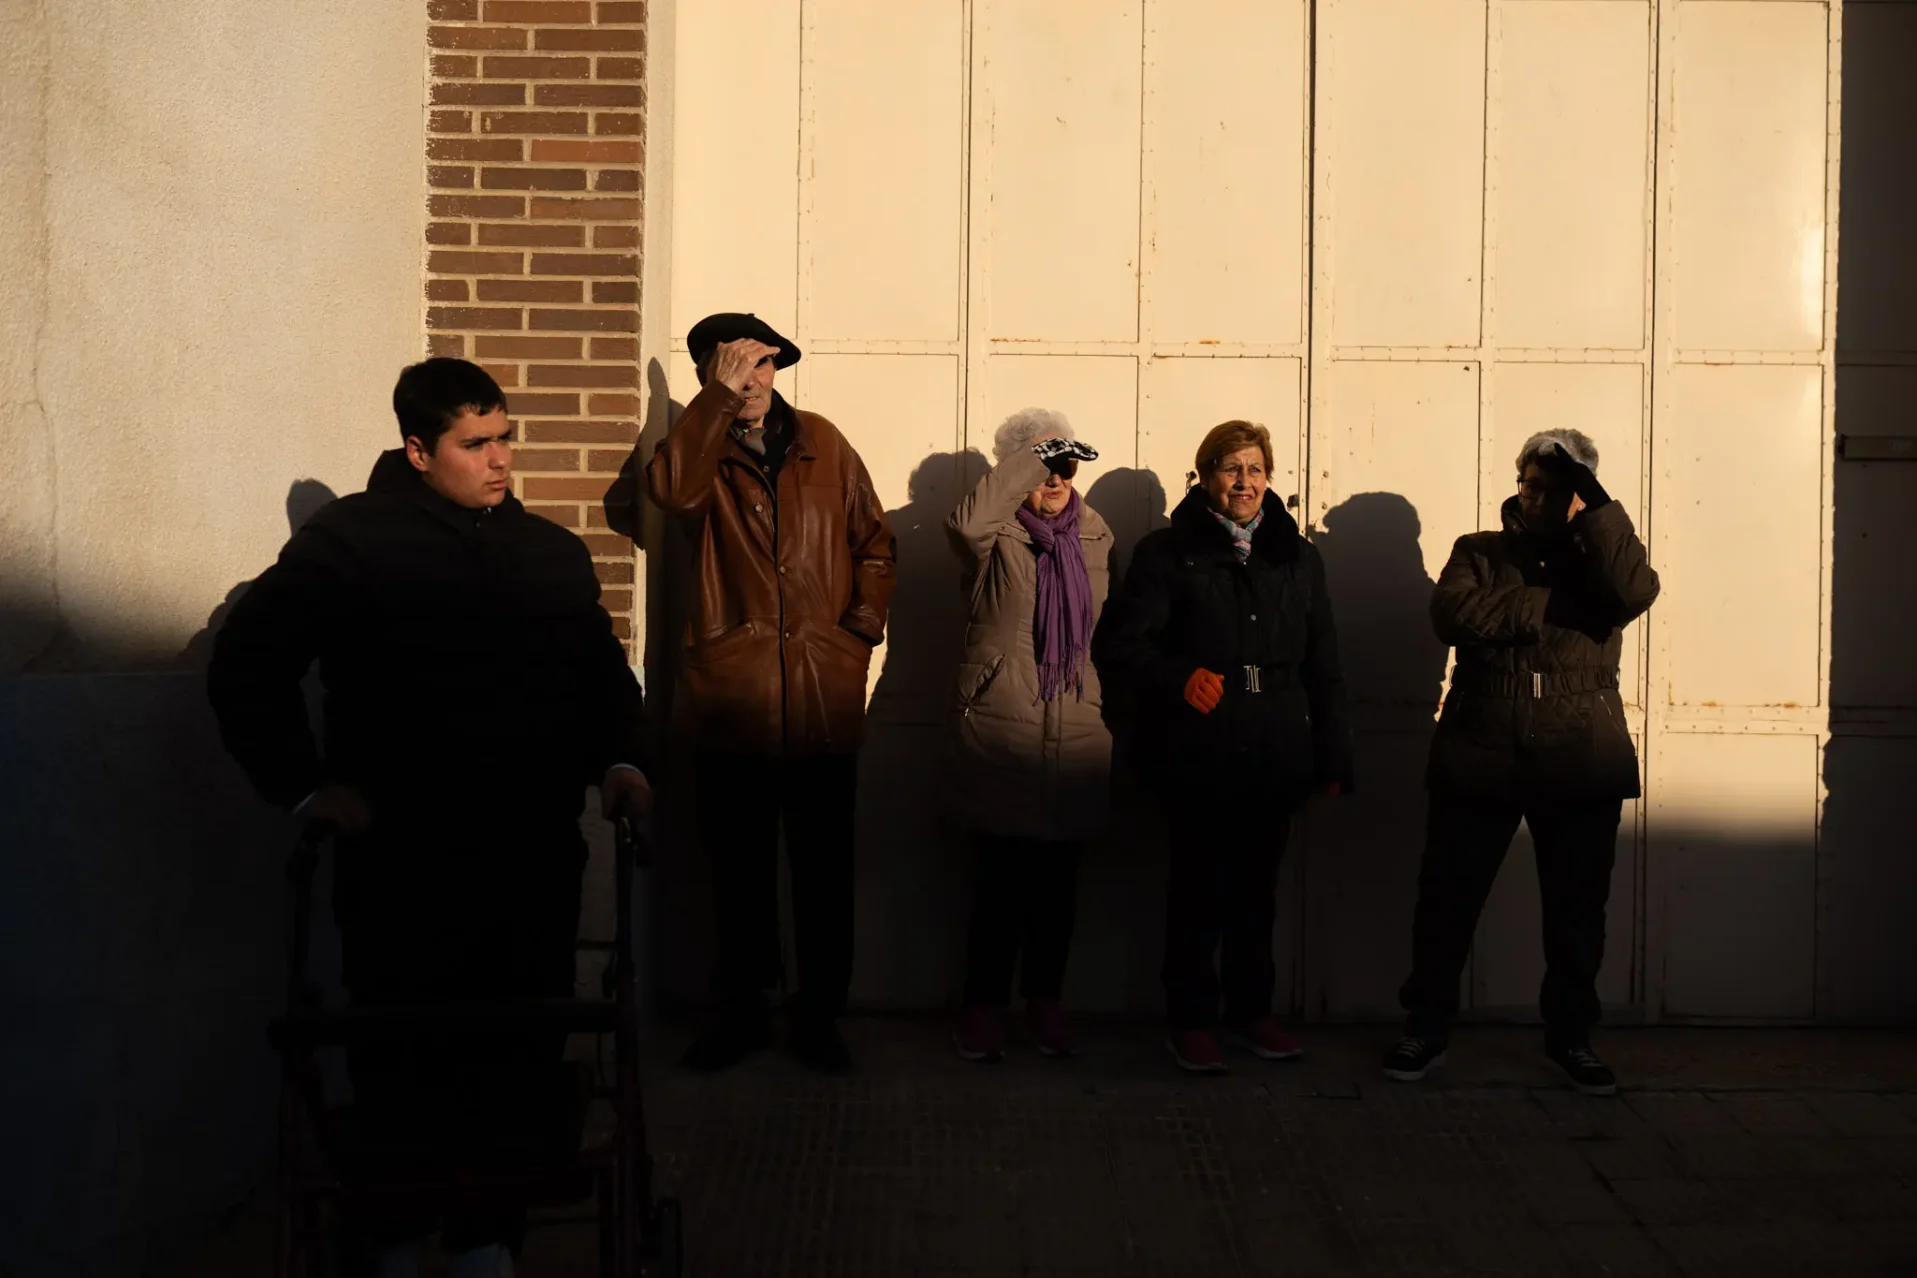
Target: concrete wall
(210, 252)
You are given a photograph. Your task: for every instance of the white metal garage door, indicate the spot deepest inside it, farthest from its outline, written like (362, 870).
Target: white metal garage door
(1403, 234)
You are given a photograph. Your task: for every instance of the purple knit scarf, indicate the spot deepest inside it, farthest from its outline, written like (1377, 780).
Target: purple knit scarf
(1062, 622)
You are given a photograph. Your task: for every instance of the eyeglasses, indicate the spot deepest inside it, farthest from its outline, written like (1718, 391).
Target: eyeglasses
(1063, 467)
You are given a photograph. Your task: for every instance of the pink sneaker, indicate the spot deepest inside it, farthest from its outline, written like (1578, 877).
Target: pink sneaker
(1196, 1051)
(1266, 1038)
(1046, 1021)
(980, 1035)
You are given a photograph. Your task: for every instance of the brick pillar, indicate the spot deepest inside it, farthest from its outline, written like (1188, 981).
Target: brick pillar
(535, 158)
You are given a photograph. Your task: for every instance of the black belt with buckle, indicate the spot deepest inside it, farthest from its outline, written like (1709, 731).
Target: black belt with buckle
(1264, 678)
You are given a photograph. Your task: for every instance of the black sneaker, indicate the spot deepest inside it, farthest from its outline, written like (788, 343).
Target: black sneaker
(820, 1047)
(1587, 1073)
(730, 1038)
(1413, 1058)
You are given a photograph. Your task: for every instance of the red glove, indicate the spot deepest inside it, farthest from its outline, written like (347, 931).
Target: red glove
(1203, 690)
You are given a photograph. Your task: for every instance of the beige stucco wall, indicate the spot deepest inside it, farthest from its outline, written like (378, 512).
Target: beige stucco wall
(210, 253)
(211, 218)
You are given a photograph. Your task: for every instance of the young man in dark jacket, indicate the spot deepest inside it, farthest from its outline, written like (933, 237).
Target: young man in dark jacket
(1533, 729)
(473, 689)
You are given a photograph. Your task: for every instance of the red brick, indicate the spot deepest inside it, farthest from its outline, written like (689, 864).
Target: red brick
(587, 95)
(621, 11)
(545, 459)
(622, 629)
(529, 347)
(450, 233)
(608, 461)
(474, 149)
(538, 11)
(612, 405)
(530, 405)
(453, 344)
(534, 236)
(450, 122)
(582, 432)
(566, 151)
(596, 40)
(622, 320)
(618, 573)
(538, 68)
(605, 545)
(452, 10)
(587, 375)
(565, 517)
(446, 291)
(620, 125)
(554, 209)
(559, 489)
(584, 264)
(474, 317)
(479, 94)
(447, 262)
(507, 375)
(615, 348)
(454, 66)
(534, 180)
(532, 122)
(613, 601)
(561, 291)
(615, 292)
(615, 237)
(476, 206)
(620, 69)
(476, 37)
(449, 176)
(617, 180)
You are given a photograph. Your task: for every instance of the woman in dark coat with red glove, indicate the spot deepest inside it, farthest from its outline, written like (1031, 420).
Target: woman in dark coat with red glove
(1222, 637)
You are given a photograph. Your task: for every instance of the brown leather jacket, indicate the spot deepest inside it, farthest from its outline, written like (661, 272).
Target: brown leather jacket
(791, 587)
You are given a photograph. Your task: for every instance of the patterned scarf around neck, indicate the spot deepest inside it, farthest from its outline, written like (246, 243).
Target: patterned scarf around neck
(1241, 534)
(1062, 621)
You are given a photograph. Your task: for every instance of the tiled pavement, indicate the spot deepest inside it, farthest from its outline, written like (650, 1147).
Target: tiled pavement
(1732, 1152)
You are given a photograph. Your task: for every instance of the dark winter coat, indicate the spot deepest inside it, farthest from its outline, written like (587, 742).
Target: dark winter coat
(1533, 710)
(1187, 603)
(465, 658)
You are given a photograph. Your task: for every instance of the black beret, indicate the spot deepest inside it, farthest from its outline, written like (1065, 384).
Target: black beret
(732, 326)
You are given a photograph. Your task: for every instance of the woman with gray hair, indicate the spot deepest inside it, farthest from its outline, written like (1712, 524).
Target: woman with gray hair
(1032, 753)
(1532, 730)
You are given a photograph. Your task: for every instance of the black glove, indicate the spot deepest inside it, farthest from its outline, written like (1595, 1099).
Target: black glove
(1555, 461)
(1566, 611)
(1055, 451)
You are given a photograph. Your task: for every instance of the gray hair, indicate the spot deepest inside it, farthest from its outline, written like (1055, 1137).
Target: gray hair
(1574, 444)
(1024, 427)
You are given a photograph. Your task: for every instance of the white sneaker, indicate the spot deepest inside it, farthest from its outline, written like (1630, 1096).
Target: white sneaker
(492, 1261)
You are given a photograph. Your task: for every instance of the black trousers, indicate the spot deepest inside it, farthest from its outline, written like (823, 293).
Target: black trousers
(1221, 895)
(1465, 843)
(1024, 902)
(743, 799)
(432, 914)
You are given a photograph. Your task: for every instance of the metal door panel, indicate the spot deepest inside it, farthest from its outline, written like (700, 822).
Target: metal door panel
(883, 170)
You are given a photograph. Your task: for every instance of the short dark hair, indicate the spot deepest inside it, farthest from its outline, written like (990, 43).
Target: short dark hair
(433, 393)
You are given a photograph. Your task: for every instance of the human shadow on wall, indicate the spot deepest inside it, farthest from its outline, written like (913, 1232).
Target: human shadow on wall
(912, 871)
(678, 915)
(1359, 874)
(303, 500)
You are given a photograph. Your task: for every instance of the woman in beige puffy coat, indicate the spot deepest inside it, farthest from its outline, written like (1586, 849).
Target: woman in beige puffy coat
(1033, 755)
